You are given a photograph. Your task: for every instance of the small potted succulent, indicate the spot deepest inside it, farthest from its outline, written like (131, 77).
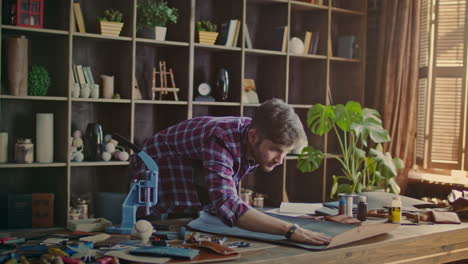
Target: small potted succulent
(153, 18)
(206, 32)
(38, 81)
(111, 23)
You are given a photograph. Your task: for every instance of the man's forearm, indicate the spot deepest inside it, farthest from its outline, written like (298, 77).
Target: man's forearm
(255, 220)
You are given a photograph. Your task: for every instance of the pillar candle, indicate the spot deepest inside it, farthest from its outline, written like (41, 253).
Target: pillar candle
(3, 147)
(44, 137)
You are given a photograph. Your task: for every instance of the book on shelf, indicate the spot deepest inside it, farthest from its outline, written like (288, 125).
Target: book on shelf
(223, 33)
(236, 34)
(307, 41)
(231, 33)
(88, 74)
(280, 38)
(79, 17)
(42, 210)
(314, 43)
(248, 40)
(345, 46)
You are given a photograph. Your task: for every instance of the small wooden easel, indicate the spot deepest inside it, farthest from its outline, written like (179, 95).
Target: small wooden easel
(163, 89)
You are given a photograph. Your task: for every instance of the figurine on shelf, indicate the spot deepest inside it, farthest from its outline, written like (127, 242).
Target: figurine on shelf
(76, 148)
(113, 150)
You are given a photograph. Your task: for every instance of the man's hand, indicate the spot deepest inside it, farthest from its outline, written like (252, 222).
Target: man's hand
(257, 221)
(306, 236)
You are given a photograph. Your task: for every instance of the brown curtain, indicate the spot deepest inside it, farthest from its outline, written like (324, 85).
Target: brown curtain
(397, 77)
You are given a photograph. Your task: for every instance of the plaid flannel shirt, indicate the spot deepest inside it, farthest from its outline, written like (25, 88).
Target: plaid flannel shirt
(220, 144)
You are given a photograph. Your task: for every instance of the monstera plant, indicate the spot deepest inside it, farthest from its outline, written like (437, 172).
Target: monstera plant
(359, 132)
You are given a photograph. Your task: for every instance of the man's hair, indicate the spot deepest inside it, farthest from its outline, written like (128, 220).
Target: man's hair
(275, 120)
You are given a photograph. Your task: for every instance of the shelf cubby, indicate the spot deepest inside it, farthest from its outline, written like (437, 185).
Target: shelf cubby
(263, 18)
(207, 66)
(261, 68)
(38, 180)
(148, 57)
(106, 57)
(112, 117)
(307, 81)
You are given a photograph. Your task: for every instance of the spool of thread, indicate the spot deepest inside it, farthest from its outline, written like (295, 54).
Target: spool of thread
(44, 137)
(342, 206)
(3, 147)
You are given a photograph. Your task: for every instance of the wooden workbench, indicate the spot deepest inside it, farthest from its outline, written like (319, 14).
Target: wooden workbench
(408, 244)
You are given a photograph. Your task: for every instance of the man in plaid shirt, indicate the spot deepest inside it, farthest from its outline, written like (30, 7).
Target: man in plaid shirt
(202, 160)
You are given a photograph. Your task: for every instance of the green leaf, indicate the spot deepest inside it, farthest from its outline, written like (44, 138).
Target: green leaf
(345, 188)
(394, 187)
(320, 119)
(347, 115)
(398, 163)
(334, 187)
(310, 159)
(359, 152)
(386, 161)
(371, 125)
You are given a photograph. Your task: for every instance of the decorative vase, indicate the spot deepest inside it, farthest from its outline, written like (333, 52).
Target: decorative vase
(111, 28)
(93, 142)
(160, 33)
(85, 91)
(296, 46)
(17, 57)
(107, 86)
(205, 37)
(76, 90)
(95, 91)
(44, 137)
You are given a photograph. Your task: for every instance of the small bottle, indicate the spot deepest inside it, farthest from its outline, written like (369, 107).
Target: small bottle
(342, 206)
(394, 214)
(362, 208)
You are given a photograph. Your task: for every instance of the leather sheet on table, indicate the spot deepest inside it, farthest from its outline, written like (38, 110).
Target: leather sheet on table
(341, 233)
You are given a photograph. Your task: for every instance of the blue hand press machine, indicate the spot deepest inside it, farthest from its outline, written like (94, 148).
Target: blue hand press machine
(142, 192)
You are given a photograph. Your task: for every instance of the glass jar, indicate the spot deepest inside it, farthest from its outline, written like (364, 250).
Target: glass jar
(24, 151)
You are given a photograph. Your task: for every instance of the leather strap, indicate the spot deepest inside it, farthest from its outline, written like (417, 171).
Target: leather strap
(291, 231)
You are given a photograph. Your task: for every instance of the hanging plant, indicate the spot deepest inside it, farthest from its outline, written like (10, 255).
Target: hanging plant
(38, 81)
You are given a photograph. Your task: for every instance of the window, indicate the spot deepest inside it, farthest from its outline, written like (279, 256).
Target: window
(442, 87)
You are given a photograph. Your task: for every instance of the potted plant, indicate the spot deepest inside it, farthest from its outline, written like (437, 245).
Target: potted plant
(206, 32)
(359, 133)
(153, 18)
(111, 23)
(38, 81)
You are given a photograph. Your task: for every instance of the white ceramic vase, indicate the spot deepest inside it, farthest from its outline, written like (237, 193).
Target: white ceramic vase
(85, 91)
(107, 86)
(160, 33)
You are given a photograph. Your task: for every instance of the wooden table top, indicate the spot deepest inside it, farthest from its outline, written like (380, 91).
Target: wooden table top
(438, 243)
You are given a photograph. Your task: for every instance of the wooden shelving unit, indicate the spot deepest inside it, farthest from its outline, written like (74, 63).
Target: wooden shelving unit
(300, 80)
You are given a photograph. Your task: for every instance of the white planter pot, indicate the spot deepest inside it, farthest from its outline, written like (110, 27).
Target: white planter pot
(160, 33)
